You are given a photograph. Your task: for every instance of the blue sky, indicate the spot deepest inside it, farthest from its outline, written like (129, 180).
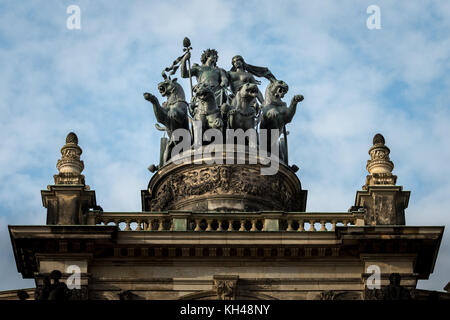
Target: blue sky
(356, 82)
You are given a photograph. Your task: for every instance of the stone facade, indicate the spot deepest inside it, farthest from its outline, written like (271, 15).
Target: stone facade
(223, 231)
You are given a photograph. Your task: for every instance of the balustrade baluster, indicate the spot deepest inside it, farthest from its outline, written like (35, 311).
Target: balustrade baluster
(289, 227)
(219, 227)
(209, 223)
(312, 227)
(230, 225)
(197, 225)
(300, 225)
(242, 228)
(254, 225)
(322, 225)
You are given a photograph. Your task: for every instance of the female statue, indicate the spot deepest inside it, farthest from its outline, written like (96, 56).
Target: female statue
(242, 73)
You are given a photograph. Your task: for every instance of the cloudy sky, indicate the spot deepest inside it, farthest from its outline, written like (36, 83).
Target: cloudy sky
(356, 82)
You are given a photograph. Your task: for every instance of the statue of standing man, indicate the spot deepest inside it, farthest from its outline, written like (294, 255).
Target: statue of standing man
(208, 73)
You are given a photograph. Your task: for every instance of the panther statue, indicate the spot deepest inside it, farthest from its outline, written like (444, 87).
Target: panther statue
(204, 110)
(275, 113)
(242, 113)
(173, 112)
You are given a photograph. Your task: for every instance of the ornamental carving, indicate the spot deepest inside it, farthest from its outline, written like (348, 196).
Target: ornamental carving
(226, 289)
(70, 166)
(223, 180)
(379, 166)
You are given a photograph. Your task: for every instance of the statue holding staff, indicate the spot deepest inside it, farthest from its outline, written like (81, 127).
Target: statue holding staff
(208, 74)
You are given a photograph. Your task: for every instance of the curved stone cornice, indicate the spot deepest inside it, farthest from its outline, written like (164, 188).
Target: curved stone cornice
(213, 184)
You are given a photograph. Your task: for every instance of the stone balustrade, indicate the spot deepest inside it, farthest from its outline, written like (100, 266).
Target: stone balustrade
(226, 222)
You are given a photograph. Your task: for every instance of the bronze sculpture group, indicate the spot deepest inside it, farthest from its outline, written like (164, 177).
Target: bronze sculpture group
(220, 99)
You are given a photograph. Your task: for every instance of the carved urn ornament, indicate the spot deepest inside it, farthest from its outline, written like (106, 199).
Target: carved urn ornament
(379, 166)
(70, 166)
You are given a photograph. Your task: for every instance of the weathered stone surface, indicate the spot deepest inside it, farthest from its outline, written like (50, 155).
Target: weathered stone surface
(226, 287)
(384, 205)
(70, 166)
(393, 291)
(68, 204)
(69, 200)
(383, 201)
(180, 265)
(379, 166)
(223, 187)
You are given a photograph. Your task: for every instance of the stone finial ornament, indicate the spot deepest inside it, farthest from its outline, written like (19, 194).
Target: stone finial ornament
(383, 201)
(70, 166)
(68, 201)
(379, 166)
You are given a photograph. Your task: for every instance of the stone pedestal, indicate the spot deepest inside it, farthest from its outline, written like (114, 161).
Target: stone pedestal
(383, 204)
(220, 183)
(68, 204)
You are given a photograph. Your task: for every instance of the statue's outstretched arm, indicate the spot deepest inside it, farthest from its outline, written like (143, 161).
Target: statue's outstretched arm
(160, 114)
(293, 108)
